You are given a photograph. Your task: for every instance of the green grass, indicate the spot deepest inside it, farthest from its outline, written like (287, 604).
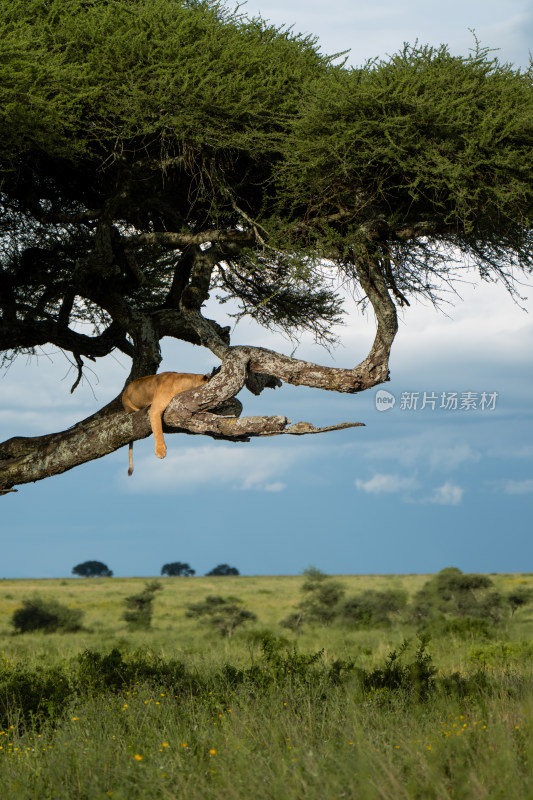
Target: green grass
(185, 713)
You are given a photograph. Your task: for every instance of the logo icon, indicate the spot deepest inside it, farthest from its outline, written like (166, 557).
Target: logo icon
(384, 400)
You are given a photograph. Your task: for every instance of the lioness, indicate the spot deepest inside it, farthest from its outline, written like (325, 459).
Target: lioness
(157, 391)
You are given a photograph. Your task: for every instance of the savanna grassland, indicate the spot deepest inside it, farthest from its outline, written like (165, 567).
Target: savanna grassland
(418, 704)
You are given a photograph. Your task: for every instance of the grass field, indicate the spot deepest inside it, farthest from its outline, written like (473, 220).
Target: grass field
(178, 711)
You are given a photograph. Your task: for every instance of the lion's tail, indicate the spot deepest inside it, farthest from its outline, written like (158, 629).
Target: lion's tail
(130, 468)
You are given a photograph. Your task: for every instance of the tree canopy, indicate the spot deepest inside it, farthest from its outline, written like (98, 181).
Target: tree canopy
(154, 151)
(177, 568)
(92, 569)
(223, 569)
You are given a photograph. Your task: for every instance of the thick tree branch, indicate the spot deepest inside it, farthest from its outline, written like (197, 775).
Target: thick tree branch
(196, 293)
(22, 334)
(372, 281)
(373, 370)
(24, 460)
(175, 240)
(173, 323)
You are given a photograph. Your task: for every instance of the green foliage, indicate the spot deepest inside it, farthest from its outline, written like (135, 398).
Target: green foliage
(266, 639)
(79, 78)
(92, 569)
(140, 607)
(414, 681)
(323, 602)
(466, 628)
(458, 594)
(180, 115)
(502, 654)
(520, 597)
(32, 696)
(279, 669)
(425, 136)
(224, 613)
(476, 686)
(114, 671)
(373, 607)
(179, 106)
(45, 693)
(322, 596)
(177, 568)
(41, 614)
(223, 569)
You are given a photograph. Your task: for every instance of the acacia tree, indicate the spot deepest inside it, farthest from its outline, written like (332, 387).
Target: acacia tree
(177, 568)
(158, 150)
(92, 569)
(223, 569)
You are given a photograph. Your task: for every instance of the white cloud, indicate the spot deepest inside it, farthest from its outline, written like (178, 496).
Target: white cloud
(232, 466)
(449, 494)
(446, 459)
(446, 495)
(519, 487)
(523, 451)
(382, 483)
(426, 448)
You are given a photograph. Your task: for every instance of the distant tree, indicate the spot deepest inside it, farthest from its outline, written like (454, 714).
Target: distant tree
(458, 594)
(140, 607)
(322, 595)
(177, 568)
(92, 569)
(519, 597)
(373, 607)
(39, 614)
(320, 603)
(493, 606)
(224, 613)
(223, 569)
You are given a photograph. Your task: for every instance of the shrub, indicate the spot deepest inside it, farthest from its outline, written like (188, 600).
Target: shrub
(460, 627)
(293, 621)
(503, 654)
(33, 695)
(457, 594)
(225, 614)
(98, 672)
(322, 596)
(372, 607)
(50, 616)
(414, 680)
(140, 607)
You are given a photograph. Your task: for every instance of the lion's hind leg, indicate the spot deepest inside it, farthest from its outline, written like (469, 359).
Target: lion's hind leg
(161, 400)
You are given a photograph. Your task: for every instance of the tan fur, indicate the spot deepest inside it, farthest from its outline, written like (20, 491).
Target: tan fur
(157, 391)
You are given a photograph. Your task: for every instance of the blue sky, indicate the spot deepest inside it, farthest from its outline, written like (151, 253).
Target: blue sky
(415, 490)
